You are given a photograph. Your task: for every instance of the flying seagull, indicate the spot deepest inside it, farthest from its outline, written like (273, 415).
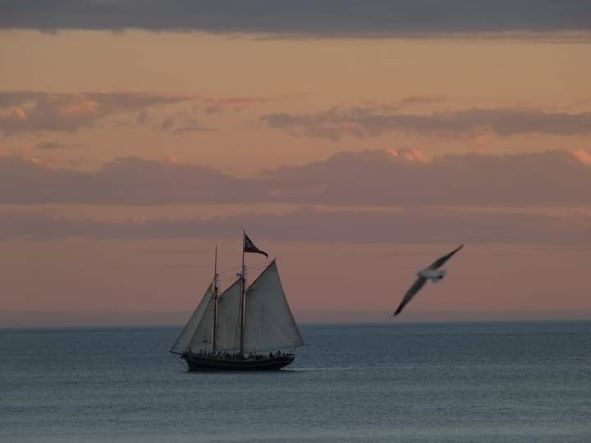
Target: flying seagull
(432, 273)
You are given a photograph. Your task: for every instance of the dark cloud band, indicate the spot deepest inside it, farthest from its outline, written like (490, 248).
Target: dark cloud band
(363, 122)
(303, 17)
(370, 178)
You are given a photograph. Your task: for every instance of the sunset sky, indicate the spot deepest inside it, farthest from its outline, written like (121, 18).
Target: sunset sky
(356, 141)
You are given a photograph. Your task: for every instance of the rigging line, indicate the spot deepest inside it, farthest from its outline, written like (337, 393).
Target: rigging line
(227, 280)
(184, 365)
(256, 269)
(227, 270)
(233, 269)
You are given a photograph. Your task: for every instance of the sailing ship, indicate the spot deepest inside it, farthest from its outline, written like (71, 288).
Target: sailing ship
(245, 327)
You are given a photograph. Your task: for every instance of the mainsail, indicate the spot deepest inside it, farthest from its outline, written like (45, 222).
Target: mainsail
(268, 323)
(228, 322)
(184, 339)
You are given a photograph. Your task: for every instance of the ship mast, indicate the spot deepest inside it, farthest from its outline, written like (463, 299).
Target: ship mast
(215, 299)
(242, 294)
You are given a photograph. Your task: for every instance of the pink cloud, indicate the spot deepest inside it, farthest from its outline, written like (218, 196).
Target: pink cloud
(79, 105)
(413, 155)
(583, 156)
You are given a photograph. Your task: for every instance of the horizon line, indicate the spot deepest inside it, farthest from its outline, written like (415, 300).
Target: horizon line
(29, 319)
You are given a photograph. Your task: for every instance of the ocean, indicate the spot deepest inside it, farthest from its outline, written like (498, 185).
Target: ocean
(495, 381)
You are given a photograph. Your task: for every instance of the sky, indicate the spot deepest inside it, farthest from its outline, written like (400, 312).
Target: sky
(355, 141)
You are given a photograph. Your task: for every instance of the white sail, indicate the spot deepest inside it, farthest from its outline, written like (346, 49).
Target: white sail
(228, 321)
(202, 337)
(182, 342)
(268, 323)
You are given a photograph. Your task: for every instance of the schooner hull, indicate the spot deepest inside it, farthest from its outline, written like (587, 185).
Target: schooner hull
(198, 363)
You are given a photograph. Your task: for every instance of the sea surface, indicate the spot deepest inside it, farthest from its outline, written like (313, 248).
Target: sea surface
(351, 383)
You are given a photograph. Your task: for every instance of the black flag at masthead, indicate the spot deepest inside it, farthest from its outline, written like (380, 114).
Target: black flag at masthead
(249, 246)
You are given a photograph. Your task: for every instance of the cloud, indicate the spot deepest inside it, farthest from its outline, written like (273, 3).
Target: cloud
(351, 226)
(191, 125)
(26, 111)
(167, 124)
(367, 178)
(55, 146)
(404, 102)
(130, 180)
(36, 111)
(142, 118)
(182, 122)
(371, 121)
(409, 177)
(583, 156)
(236, 104)
(305, 17)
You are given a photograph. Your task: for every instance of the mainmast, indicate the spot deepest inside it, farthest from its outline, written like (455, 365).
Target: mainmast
(242, 294)
(215, 299)
(247, 246)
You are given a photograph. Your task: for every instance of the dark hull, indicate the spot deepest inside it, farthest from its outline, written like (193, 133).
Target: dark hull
(199, 362)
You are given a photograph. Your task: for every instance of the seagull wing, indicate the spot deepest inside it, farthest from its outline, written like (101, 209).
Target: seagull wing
(441, 260)
(416, 287)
